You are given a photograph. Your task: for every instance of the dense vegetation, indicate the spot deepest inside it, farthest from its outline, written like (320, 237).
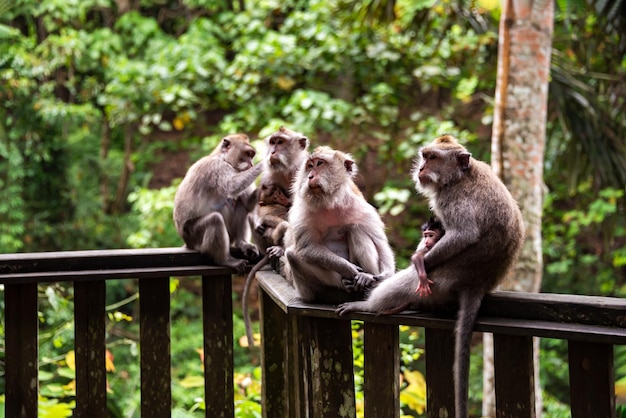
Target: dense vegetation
(106, 103)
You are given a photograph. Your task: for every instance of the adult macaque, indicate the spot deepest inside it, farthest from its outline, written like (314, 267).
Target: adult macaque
(213, 201)
(432, 231)
(286, 150)
(271, 213)
(484, 235)
(336, 240)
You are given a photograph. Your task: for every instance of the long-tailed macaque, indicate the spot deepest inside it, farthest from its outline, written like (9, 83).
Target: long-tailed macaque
(336, 240)
(432, 231)
(286, 150)
(271, 213)
(213, 201)
(484, 235)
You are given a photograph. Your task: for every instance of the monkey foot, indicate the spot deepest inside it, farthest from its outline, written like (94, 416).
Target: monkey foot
(423, 288)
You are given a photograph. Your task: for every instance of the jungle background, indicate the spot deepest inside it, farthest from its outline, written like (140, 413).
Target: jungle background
(105, 104)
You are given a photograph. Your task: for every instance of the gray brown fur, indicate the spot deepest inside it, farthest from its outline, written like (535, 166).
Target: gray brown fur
(483, 238)
(214, 199)
(336, 240)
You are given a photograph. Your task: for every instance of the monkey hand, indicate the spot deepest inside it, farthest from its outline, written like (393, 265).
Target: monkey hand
(423, 288)
(360, 282)
(260, 229)
(275, 251)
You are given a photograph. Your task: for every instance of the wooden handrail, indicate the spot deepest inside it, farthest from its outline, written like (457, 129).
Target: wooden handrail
(89, 270)
(591, 325)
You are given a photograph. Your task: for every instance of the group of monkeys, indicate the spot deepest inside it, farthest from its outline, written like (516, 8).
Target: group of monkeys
(310, 220)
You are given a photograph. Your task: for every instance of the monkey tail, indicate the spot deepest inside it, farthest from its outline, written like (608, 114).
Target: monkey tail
(244, 298)
(469, 304)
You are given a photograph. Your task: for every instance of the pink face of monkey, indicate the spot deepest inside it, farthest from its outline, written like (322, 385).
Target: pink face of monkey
(431, 236)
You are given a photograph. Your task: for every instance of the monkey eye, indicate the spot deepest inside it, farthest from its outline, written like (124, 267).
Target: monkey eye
(320, 162)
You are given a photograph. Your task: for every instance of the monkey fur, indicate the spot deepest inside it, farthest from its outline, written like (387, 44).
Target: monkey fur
(484, 235)
(336, 244)
(214, 199)
(271, 213)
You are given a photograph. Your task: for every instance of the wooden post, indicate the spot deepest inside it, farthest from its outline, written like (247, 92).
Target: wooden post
(217, 307)
(331, 368)
(154, 323)
(439, 374)
(592, 380)
(381, 370)
(90, 349)
(515, 378)
(22, 350)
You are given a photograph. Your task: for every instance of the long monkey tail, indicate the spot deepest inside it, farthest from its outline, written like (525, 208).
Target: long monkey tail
(244, 298)
(469, 304)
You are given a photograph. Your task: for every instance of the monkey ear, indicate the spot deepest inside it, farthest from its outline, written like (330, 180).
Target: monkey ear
(349, 165)
(463, 158)
(304, 141)
(225, 144)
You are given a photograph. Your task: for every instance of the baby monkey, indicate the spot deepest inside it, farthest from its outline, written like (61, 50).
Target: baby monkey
(432, 231)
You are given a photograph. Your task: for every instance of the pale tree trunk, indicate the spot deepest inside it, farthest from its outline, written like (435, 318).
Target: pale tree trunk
(518, 142)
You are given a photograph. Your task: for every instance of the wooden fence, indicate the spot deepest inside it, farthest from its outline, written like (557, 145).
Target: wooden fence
(306, 349)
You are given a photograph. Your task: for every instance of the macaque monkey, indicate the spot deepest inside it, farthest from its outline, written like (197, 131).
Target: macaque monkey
(286, 150)
(214, 199)
(271, 213)
(484, 235)
(336, 243)
(432, 231)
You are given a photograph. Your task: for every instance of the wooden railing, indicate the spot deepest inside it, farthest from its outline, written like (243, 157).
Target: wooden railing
(88, 271)
(308, 365)
(306, 349)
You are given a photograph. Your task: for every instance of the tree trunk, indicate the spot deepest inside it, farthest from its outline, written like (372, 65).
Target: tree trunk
(518, 142)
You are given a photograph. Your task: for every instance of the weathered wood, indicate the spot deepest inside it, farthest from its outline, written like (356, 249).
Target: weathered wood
(439, 374)
(217, 307)
(154, 321)
(298, 360)
(21, 355)
(331, 368)
(381, 372)
(100, 259)
(575, 309)
(515, 380)
(274, 338)
(112, 274)
(592, 380)
(90, 349)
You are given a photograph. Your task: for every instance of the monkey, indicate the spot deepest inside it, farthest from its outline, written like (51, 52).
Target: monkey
(286, 150)
(271, 212)
(432, 231)
(335, 245)
(213, 200)
(484, 235)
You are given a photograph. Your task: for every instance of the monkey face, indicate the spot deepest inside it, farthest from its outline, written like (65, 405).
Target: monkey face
(237, 151)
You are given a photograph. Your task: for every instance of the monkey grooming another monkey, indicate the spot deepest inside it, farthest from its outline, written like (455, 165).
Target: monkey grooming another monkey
(484, 235)
(286, 150)
(432, 231)
(213, 201)
(336, 240)
(271, 213)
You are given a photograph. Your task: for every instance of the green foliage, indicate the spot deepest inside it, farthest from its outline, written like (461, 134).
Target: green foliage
(94, 99)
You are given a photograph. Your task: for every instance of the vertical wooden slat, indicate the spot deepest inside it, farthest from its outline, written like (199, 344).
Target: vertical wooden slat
(217, 307)
(299, 391)
(592, 380)
(274, 338)
(154, 320)
(381, 370)
(439, 373)
(89, 342)
(514, 374)
(22, 354)
(331, 368)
